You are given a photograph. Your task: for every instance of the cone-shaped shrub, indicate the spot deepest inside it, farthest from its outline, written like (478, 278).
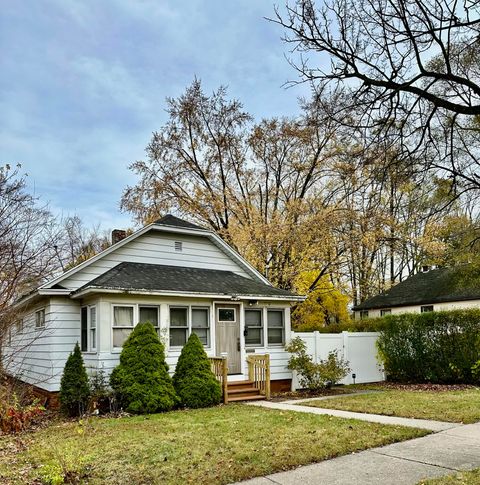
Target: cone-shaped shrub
(141, 381)
(194, 380)
(74, 388)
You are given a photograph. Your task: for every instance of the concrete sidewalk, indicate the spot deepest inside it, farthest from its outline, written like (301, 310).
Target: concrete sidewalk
(374, 418)
(444, 453)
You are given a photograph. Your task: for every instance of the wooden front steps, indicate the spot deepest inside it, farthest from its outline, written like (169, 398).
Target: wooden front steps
(243, 391)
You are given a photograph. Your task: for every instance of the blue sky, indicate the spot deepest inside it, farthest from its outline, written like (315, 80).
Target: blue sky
(84, 83)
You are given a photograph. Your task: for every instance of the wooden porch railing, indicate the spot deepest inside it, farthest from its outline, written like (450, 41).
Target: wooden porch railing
(220, 369)
(259, 372)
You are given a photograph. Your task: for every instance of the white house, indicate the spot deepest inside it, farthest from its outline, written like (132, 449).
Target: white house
(177, 275)
(429, 290)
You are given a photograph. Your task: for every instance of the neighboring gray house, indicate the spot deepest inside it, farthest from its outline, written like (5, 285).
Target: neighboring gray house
(177, 275)
(430, 290)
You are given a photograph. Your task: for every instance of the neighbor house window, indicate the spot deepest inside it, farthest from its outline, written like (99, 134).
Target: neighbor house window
(201, 324)
(275, 327)
(122, 324)
(363, 314)
(253, 327)
(88, 334)
(178, 326)
(19, 326)
(385, 311)
(40, 318)
(426, 308)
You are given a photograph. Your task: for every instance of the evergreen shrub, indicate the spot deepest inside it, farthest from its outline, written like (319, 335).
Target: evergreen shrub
(74, 388)
(194, 381)
(141, 381)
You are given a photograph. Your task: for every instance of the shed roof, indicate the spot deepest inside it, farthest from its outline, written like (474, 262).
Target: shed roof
(434, 286)
(155, 277)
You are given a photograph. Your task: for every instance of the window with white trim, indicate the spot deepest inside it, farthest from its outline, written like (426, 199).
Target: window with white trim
(150, 314)
(40, 318)
(184, 320)
(385, 311)
(426, 308)
(122, 324)
(275, 327)
(254, 327)
(19, 326)
(178, 326)
(92, 327)
(363, 314)
(201, 324)
(88, 333)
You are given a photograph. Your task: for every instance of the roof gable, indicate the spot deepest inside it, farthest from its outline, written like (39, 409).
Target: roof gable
(434, 286)
(220, 255)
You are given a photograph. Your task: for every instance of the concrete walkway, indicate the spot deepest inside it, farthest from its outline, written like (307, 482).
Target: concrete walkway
(444, 453)
(374, 418)
(453, 448)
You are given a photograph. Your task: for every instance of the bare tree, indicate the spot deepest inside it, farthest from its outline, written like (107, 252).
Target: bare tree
(409, 69)
(28, 235)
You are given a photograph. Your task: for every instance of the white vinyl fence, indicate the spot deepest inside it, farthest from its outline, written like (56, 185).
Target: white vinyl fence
(358, 348)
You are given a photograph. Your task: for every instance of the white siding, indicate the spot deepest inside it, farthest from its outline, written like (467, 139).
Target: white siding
(42, 358)
(452, 305)
(29, 356)
(157, 247)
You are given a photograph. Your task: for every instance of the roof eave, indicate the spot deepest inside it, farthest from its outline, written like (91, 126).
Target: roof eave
(193, 294)
(414, 303)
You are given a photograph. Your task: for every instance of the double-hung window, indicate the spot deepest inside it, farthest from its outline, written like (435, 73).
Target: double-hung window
(201, 324)
(253, 327)
(178, 326)
(385, 311)
(122, 324)
(88, 336)
(40, 318)
(275, 327)
(426, 308)
(184, 320)
(149, 314)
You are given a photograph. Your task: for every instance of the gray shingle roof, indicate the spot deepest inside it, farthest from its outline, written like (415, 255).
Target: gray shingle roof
(434, 286)
(155, 277)
(169, 220)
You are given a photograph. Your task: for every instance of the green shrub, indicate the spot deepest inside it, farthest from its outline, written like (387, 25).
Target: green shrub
(74, 388)
(141, 381)
(366, 325)
(438, 347)
(194, 380)
(315, 375)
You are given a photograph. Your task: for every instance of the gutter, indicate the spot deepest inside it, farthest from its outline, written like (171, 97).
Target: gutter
(191, 294)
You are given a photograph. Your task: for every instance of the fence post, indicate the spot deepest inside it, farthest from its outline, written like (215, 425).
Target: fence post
(346, 336)
(316, 346)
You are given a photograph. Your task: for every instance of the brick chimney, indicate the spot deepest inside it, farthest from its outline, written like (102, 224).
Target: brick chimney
(118, 235)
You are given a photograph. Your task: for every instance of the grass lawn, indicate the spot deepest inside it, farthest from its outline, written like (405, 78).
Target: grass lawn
(461, 478)
(455, 406)
(215, 445)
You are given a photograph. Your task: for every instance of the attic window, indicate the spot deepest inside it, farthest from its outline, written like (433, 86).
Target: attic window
(178, 246)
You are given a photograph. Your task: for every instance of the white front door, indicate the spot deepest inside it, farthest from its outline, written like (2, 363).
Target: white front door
(227, 321)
